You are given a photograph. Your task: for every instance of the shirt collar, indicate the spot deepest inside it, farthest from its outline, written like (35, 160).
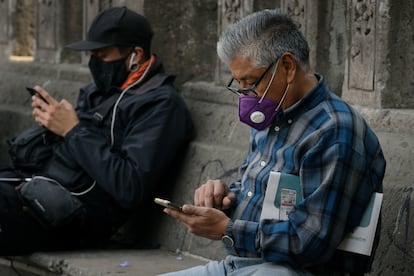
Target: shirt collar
(315, 96)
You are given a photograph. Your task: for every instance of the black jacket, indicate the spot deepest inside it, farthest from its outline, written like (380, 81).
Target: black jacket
(150, 128)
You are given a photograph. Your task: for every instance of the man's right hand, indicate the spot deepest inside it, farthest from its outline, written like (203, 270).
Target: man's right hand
(58, 117)
(214, 193)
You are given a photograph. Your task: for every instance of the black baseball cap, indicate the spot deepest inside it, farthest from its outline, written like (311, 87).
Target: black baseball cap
(118, 26)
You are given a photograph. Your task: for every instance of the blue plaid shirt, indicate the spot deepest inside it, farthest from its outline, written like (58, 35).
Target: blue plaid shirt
(340, 163)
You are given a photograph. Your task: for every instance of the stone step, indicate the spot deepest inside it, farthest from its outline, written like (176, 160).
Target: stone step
(99, 262)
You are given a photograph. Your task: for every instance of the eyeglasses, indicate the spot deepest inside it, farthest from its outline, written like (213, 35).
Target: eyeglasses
(250, 91)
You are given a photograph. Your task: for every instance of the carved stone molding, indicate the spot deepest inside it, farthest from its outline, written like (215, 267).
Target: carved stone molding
(305, 14)
(362, 45)
(46, 25)
(297, 11)
(229, 12)
(4, 30)
(4, 24)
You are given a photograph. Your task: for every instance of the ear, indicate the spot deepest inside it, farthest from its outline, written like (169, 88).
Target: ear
(290, 66)
(139, 55)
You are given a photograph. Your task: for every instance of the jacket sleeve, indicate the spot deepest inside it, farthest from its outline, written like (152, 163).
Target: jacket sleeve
(154, 134)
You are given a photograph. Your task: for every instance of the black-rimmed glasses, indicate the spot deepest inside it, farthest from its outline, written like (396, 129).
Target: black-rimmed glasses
(250, 91)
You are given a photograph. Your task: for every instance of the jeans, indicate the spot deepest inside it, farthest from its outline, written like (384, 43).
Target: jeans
(239, 266)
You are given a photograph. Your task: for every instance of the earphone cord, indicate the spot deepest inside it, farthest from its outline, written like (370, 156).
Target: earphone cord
(119, 99)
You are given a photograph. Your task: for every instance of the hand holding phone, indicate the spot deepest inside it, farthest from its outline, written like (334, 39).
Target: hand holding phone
(167, 203)
(33, 92)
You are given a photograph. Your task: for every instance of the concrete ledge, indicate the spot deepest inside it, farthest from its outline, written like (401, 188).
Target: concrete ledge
(99, 262)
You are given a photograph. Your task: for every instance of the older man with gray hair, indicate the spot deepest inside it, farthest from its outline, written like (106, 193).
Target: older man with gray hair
(299, 129)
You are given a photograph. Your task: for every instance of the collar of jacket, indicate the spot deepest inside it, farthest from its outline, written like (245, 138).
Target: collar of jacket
(155, 77)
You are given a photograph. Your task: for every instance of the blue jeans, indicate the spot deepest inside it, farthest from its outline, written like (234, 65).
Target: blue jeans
(239, 266)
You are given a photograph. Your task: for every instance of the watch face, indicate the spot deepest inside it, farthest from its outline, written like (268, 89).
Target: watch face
(227, 240)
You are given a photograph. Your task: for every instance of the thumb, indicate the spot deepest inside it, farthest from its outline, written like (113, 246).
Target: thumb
(66, 104)
(229, 200)
(193, 210)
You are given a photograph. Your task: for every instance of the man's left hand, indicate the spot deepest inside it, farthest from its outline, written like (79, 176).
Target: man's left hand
(202, 221)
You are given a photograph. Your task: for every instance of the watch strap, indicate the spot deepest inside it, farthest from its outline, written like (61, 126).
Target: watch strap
(228, 239)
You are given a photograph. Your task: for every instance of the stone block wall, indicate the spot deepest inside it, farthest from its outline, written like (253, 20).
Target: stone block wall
(219, 147)
(363, 47)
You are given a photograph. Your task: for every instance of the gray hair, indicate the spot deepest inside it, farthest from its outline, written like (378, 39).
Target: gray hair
(263, 37)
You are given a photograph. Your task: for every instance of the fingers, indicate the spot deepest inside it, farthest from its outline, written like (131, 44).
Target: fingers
(192, 210)
(206, 222)
(39, 110)
(211, 194)
(45, 95)
(187, 212)
(184, 216)
(207, 194)
(42, 101)
(58, 117)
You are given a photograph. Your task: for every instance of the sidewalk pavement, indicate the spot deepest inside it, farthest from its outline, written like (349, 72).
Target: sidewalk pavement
(99, 262)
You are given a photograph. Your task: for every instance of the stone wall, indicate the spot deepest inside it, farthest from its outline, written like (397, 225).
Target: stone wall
(363, 47)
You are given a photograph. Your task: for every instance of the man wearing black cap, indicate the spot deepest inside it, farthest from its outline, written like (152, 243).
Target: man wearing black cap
(116, 146)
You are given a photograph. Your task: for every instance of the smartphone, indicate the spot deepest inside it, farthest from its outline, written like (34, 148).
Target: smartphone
(33, 92)
(167, 203)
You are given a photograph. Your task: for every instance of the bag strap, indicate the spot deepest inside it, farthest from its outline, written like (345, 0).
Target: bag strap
(99, 112)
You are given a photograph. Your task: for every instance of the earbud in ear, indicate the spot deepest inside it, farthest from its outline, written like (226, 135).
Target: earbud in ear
(133, 66)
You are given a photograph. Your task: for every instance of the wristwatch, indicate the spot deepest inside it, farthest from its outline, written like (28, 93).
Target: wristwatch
(227, 237)
(227, 240)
